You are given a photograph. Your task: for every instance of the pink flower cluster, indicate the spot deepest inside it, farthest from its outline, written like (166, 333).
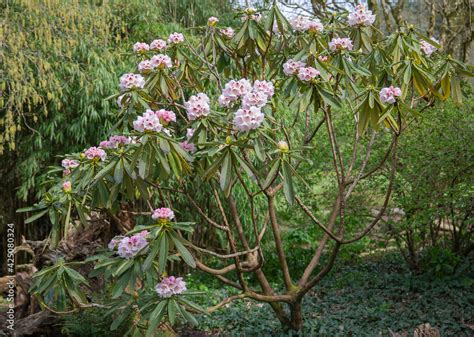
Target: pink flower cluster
(145, 66)
(186, 145)
(264, 86)
(307, 73)
(67, 187)
(323, 58)
(428, 48)
(166, 116)
(158, 44)
(163, 213)
(254, 98)
(361, 17)
(149, 121)
(128, 247)
(233, 90)
(228, 32)
(303, 24)
(170, 286)
(141, 47)
(340, 44)
(212, 21)
(129, 81)
(95, 153)
(292, 67)
(161, 61)
(197, 106)
(388, 95)
(69, 163)
(175, 38)
(114, 142)
(248, 119)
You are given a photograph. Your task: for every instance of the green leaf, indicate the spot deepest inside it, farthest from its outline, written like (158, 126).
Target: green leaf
(163, 255)
(183, 251)
(102, 173)
(226, 172)
(155, 317)
(172, 307)
(272, 174)
(120, 318)
(118, 173)
(287, 182)
(329, 98)
(151, 256)
(36, 216)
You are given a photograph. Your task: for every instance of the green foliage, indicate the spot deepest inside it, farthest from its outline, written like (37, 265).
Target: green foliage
(362, 299)
(434, 183)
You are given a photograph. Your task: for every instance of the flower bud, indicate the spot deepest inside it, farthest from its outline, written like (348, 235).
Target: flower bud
(283, 146)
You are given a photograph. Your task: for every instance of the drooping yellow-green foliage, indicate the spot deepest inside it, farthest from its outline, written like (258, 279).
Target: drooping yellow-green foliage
(52, 49)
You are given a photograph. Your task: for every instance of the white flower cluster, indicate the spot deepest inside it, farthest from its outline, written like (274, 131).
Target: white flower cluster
(361, 17)
(303, 24)
(253, 98)
(130, 81)
(197, 106)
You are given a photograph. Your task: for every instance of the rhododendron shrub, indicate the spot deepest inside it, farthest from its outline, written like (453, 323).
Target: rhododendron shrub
(237, 113)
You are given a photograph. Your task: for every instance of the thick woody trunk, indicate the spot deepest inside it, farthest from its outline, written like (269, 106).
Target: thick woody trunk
(294, 321)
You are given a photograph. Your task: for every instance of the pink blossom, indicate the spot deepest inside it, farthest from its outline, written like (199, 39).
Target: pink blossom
(161, 61)
(189, 133)
(114, 142)
(95, 153)
(264, 86)
(145, 66)
(128, 247)
(66, 172)
(235, 89)
(170, 286)
(69, 163)
(228, 32)
(315, 26)
(361, 17)
(388, 95)
(212, 21)
(225, 101)
(323, 58)
(197, 106)
(254, 98)
(129, 81)
(163, 213)
(149, 121)
(299, 23)
(340, 44)
(291, 67)
(248, 119)
(141, 47)
(187, 146)
(307, 74)
(166, 116)
(176, 38)
(158, 45)
(67, 187)
(428, 48)
(114, 242)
